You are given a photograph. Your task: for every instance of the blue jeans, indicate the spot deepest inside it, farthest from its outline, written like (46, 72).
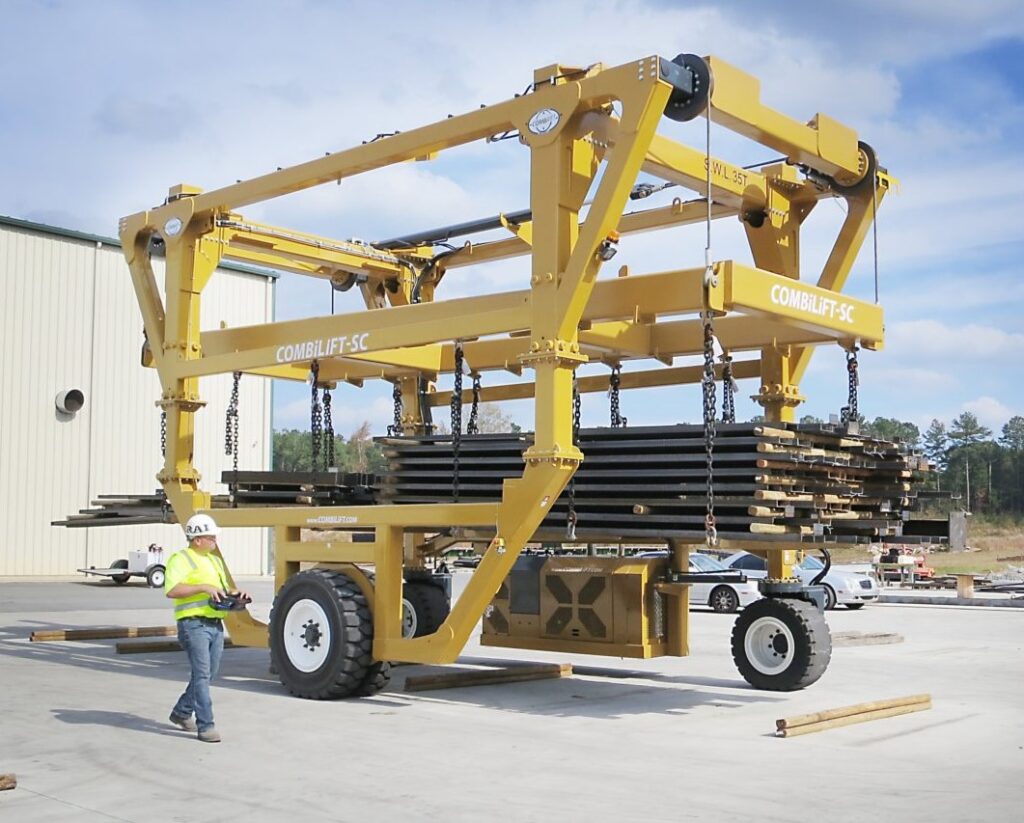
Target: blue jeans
(202, 638)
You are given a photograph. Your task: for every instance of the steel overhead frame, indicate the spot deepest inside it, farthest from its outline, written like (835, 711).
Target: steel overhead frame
(574, 123)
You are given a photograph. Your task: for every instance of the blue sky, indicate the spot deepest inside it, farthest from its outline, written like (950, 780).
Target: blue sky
(106, 104)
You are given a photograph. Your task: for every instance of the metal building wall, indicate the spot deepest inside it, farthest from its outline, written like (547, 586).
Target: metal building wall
(69, 319)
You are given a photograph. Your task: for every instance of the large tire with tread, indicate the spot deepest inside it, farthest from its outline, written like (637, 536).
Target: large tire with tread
(120, 579)
(321, 637)
(424, 608)
(724, 599)
(781, 644)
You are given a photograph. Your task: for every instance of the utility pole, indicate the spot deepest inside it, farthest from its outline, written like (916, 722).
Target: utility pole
(967, 471)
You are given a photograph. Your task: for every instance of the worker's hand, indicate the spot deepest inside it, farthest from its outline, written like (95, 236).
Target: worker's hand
(216, 595)
(242, 596)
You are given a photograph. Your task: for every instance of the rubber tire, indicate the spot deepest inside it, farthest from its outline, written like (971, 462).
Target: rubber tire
(854, 606)
(152, 572)
(349, 661)
(430, 604)
(378, 676)
(830, 597)
(120, 579)
(725, 593)
(812, 641)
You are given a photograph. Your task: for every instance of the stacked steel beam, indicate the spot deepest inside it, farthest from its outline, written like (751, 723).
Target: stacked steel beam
(778, 482)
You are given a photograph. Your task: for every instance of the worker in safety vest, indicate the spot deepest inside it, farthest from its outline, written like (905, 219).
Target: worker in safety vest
(196, 580)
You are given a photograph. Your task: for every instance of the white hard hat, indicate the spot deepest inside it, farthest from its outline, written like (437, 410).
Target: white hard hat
(201, 525)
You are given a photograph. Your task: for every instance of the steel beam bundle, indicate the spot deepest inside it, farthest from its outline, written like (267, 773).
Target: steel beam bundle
(777, 482)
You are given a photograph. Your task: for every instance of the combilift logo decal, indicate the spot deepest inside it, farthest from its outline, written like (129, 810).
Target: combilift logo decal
(811, 303)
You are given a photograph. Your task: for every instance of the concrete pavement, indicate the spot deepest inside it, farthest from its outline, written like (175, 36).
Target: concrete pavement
(670, 739)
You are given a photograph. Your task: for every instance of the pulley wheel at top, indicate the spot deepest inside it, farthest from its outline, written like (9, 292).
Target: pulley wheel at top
(691, 79)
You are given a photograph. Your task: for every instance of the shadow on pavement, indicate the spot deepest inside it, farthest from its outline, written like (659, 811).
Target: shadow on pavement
(122, 720)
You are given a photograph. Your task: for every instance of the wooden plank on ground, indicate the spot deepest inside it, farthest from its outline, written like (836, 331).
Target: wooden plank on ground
(487, 677)
(848, 715)
(104, 634)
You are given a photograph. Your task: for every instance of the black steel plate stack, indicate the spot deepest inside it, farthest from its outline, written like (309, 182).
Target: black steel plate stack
(772, 482)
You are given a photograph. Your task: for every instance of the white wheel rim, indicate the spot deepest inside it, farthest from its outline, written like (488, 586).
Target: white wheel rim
(307, 635)
(769, 645)
(158, 579)
(409, 620)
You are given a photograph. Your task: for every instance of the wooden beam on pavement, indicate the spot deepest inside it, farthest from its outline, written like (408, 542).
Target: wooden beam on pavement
(848, 715)
(104, 634)
(487, 677)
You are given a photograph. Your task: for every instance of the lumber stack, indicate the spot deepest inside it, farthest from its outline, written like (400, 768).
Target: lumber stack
(802, 483)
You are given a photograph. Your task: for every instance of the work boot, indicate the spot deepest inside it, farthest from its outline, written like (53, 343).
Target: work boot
(210, 735)
(184, 723)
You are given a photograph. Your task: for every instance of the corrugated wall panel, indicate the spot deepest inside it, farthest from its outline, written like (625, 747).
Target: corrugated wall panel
(46, 340)
(55, 467)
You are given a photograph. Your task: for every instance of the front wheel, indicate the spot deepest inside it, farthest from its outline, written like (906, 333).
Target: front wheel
(830, 598)
(724, 600)
(781, 644)
(321, 637)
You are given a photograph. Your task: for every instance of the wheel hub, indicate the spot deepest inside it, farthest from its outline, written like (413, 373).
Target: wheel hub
(307, 635)
(311, 634)
(769, 645)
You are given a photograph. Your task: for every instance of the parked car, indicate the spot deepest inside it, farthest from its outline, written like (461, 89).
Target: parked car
(722, 597)
(850, 589)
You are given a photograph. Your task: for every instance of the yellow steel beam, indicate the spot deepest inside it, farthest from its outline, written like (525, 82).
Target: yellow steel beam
(678, 213)
(341, 517)
(638, 297)
(820, 310)
(825, 145)
(680, 375)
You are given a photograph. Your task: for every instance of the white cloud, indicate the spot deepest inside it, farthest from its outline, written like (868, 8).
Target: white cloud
(989, 411)
(932, 338)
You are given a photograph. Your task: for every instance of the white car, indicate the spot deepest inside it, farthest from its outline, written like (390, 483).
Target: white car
(722, 597)
(850, 589)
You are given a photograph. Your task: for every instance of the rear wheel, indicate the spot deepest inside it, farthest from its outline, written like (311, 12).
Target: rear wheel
(321, 637)
(781, 644)
(724, 599)
(424, 608)
(120, 579)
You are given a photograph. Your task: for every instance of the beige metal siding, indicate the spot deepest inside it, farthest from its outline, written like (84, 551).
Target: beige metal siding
(70, 320)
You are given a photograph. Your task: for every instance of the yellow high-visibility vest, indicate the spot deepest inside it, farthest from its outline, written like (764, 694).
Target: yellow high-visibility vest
(191, 567)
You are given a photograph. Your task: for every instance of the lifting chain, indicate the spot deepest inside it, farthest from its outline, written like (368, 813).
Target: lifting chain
(328, 432)
(163, 432)
(618, 421)
(456, 419)
(570, 523)
(473, 424)
(395, 429)
(849, 413)
(728, 390)
(708, 388)
(315, 416)
(231, 429)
